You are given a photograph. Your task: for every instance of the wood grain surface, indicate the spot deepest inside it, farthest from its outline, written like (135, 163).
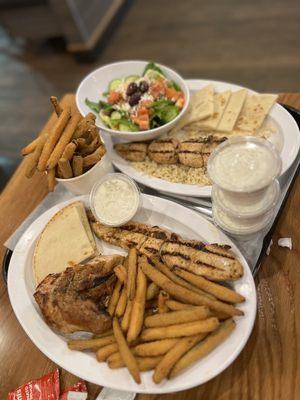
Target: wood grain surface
(268, 367)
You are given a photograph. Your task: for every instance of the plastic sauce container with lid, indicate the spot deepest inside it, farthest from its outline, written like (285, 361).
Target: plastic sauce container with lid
(241, 227)
(247, 205)
(115, 199)
(244, 164)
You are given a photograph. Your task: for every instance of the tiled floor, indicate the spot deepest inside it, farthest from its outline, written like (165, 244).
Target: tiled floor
(254, 43)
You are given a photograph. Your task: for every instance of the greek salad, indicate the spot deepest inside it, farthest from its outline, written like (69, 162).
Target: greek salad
(137, 103)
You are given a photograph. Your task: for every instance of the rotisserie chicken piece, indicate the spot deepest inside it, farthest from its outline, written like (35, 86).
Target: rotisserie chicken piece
(76, 299)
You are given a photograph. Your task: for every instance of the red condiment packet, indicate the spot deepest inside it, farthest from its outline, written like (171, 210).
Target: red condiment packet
(44, 388)
(78, 387)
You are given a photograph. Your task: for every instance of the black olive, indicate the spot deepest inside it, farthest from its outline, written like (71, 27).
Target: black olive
(135, 98)
(143, 86)
(132, 88)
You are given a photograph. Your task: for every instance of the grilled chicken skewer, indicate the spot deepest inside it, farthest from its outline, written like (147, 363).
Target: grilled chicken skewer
(192, 152)
(214, 261)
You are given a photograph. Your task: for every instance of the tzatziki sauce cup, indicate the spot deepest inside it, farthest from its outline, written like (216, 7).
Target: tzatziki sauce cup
(115, 199)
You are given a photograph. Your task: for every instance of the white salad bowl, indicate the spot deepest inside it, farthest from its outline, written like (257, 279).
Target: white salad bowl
(97, 83)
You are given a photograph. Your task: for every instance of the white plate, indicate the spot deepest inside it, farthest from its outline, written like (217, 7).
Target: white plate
(154, 211)
(287, 130)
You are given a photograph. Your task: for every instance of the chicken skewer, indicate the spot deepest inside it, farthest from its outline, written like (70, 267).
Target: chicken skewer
(191, 152)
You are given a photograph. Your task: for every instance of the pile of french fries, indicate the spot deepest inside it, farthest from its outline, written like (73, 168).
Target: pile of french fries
(163, 320)
(69, 149)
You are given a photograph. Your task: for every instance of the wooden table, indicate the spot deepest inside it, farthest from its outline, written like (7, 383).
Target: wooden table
(267, 369)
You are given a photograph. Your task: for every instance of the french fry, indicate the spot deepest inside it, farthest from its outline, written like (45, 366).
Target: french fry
(84, 125)
(58, 173)
(144, 363)
(177, 306)
(173, 355)
(219, 291)
(77, 165)
(132, 270)
(30, 147)
(126, 316)
(121, 273)
(121, 306)
(69, 151)
(63, 141)
(183, 294)
(92, 159)
(176, 279)
(56, 105)
(65, 168)
(179, 330)
(80, 143)
(53, 138)
(105, 351)
(204, 347)
(91, 344)
(138, 307)
(89, 148)
(51, 179)
(114, 298)
(157, 348)
(125, 352)
(177, 317)
(33, 158)
(152, 291)
(161, 302)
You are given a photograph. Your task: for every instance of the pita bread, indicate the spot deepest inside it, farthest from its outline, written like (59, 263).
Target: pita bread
(67, 238)
(220, 103)
(232, 111)
(201, 107)
(254, 111)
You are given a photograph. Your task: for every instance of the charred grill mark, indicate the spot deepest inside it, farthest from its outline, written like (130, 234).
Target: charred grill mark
(176, 254)
(220, 255)
(162, 151)
(151, 249)
(196, 246)
(190, 152)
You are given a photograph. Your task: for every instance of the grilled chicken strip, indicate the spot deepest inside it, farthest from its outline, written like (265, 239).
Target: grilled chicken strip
(132, 151)
(213, 261)
(76, 299)
(163, 151)
(147, 239)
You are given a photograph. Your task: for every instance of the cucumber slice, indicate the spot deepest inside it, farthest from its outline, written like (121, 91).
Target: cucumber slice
(131, 78)
(123, 127)
(115, 115)
(152, 75)
(105, 119)
(114, 84)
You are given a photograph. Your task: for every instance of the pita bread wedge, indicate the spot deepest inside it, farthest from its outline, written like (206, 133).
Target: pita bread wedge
(254, 111)
(201, 107)
(232, 111)
(67, 238)
(220, 103)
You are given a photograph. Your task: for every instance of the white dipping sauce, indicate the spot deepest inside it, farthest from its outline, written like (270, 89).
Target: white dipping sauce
(115, 200)
(243, 166)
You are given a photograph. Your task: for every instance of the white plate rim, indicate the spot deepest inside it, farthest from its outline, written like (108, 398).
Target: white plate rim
(17, 288)
(281, 116)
